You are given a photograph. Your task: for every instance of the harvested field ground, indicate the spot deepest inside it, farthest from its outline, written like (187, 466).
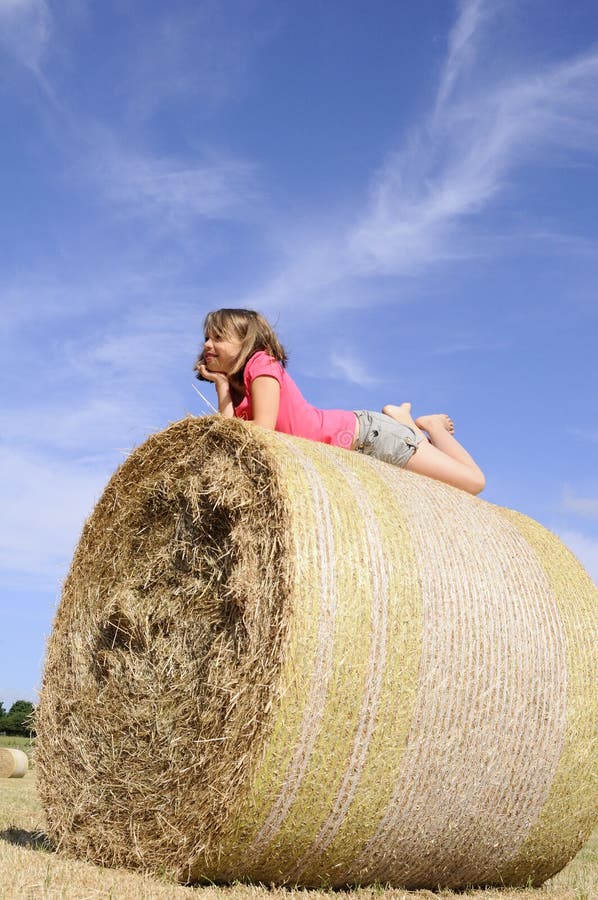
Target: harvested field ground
(28, 870)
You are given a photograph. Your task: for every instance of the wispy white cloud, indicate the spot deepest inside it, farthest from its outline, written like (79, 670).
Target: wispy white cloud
(346, 364)
(25, 31)
(451, 169)
(196, 52)
(44, 505)
(138, 353)
(201, 52)
(25, 27)
(473, 15)
(138, 346)
(582, 506)
(468, 345)
(30, 299)
(175, 193)
(425, 200)
(99, 390)
(585, 549)
(60, 442)
(587, 435)
(94, 426)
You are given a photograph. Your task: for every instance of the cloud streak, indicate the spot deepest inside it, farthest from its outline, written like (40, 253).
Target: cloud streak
(454, 167)
(25, 27)
(25, 31)
(176, 193)
(102, 395)
(587, 435)
(199, 52)
(44, 507)
(473, 15)
(424, 202)
(581, 506)
(345, 363)
(202, 52)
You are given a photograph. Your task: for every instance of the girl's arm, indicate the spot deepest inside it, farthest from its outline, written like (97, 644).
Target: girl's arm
(225, 400)
(222, 385)
(265, 400)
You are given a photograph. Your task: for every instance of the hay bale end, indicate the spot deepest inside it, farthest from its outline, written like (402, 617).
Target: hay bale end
(14, 763)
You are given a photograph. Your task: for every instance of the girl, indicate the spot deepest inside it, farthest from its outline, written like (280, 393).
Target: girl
(247, 364)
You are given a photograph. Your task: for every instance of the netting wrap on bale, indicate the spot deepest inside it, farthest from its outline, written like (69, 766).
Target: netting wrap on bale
(278, 661)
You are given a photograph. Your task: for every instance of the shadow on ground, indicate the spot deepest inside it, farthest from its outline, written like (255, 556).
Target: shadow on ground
(34, 840)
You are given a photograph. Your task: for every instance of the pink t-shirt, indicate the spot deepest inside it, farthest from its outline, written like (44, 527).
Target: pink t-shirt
(295, 415)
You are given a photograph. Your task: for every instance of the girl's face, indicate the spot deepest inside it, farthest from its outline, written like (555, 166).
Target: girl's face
(220, 353)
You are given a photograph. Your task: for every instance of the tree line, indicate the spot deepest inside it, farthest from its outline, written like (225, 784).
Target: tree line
(18, 719)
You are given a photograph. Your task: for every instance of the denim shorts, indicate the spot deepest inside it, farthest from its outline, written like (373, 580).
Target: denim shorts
(384, 438)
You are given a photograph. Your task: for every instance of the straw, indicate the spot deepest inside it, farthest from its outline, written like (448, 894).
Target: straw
(282, 662)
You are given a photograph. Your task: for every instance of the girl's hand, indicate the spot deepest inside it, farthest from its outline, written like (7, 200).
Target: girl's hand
(216, 377)
(222, 385)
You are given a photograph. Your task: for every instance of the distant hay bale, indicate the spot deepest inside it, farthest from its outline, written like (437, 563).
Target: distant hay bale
(13, 763)
(278, 661)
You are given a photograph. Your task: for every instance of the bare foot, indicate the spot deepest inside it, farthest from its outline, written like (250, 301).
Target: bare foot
(436, 420)
(400, 413)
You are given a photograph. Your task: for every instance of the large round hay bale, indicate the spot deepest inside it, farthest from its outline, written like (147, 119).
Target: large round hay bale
(278, 661)
(13, 763)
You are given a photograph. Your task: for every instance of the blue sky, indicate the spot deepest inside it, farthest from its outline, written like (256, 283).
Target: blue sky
(408, 190)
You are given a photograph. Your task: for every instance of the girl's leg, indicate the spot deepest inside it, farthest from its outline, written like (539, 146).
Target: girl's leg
(443, 458)
(446, 460)
(441, 436)
(402, 413)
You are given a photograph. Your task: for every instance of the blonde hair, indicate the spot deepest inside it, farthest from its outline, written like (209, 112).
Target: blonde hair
(249, 327)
